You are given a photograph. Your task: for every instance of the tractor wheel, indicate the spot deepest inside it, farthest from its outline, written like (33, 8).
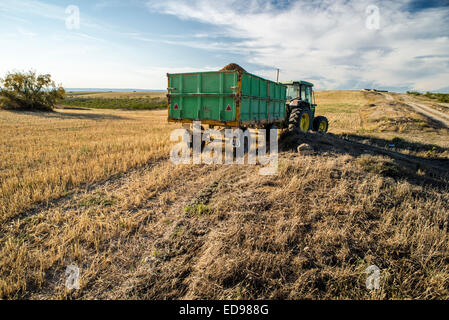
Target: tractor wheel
(300, 119)
(320, 124)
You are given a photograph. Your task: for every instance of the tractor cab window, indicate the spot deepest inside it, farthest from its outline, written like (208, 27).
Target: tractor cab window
(303, 93)
(292, 92)
(308, 94)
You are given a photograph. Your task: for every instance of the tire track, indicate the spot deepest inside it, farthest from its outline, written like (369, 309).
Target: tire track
(82, 189)
(423, 109)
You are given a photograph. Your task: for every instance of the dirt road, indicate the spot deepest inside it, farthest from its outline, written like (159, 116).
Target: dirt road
(422, 108)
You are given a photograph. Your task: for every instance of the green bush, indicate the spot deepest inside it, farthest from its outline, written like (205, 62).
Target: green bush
(29, 91)
(415, 93)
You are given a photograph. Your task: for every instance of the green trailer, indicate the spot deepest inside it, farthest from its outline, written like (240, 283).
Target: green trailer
(241, 99)
(225, 98)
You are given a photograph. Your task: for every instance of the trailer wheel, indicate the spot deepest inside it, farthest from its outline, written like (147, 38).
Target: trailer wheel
(268, 134)
(203, 143)
(320, 124)
(300, 119)
(236, 144)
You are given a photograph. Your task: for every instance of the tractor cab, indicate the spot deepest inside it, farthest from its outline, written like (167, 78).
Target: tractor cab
(300, 90)
(301, 107)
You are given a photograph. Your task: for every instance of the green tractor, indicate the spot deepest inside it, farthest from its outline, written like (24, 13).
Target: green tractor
(301, 108)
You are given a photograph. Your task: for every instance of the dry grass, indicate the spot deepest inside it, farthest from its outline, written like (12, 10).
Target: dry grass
(46, 155)
(141, 227)
(371, 116)
(342, 108)
(266, 237)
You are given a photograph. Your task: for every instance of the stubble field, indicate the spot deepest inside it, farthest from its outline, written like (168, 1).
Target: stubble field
(95, 188)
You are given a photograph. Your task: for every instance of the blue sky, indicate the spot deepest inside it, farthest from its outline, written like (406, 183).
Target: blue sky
(133, 44)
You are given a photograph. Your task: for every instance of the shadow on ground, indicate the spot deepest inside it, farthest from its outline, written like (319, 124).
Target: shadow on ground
(398, 144)
(374, 157)
(71, 116)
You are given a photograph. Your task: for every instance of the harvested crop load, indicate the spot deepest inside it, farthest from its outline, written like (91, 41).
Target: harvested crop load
(233, 67)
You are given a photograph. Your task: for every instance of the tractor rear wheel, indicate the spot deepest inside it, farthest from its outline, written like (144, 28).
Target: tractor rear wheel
(300, 119)
(320, 124)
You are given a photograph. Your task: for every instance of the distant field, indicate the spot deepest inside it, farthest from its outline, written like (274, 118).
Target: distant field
(342, 108)
(116, 100)
(82, 93)
(118, 95)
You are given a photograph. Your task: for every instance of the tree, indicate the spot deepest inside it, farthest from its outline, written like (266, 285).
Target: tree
(29, 91)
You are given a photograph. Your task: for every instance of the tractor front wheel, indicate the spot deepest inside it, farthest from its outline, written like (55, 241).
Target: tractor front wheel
(320, 124)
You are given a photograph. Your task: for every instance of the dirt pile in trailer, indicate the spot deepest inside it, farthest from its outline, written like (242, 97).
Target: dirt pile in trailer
(233, 67)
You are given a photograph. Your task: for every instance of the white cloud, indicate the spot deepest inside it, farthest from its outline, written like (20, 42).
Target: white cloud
(25, 32)
(328, 41)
